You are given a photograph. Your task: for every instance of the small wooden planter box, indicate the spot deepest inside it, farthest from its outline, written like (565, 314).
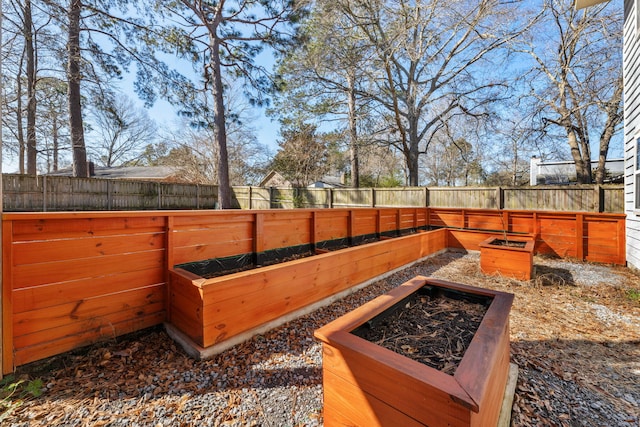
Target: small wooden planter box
(368, 385)
(509, 261)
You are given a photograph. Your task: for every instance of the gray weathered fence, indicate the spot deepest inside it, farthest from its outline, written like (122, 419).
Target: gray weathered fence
(29, 193)
(42, 193)
(591, 198)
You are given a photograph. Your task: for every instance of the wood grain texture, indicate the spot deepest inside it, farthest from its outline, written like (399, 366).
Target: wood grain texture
(390, 389)
(76, 278)
(507, 261)
(242, 301)
(58, 258)
(346, 404)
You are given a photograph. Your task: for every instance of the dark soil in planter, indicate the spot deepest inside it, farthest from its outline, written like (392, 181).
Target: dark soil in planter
(216, 267)
(252, 266)
(433, 330)
(508, 243)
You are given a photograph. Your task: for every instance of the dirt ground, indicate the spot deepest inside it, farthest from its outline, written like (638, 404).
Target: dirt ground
(575, 334)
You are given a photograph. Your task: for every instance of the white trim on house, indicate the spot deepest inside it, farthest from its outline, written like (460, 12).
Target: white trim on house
(636, 172)
(631, 73)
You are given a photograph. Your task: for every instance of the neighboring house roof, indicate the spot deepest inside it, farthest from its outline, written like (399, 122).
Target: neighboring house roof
(143, 173)
(329, 181)
(274, 179)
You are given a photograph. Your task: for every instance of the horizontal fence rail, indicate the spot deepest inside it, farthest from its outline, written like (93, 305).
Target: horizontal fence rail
(74, 278)
(25, 193)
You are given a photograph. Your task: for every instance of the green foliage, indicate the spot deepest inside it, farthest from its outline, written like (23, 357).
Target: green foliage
(634, 294)
(13, 392)
(298, 199)
(384, 181)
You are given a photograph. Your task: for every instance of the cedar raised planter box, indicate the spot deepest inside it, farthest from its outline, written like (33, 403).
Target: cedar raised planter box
(510, 258)
(213, 314)
(366, 384)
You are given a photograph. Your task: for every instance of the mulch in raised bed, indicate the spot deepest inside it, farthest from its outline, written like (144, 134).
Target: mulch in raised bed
(435, 331)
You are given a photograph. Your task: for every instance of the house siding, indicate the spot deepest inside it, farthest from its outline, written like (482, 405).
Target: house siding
(631, 71)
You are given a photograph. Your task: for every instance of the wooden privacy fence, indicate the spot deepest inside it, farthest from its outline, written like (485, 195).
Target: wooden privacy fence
(42, 193)
(48, 193)
(73, 278)
(588, 198)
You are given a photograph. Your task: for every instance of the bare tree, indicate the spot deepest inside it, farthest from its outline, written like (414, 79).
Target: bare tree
(430, 63)
(577, 78)
(381, 166)
(121, 129)
(193, 149)
(53, 120)
(26, 29)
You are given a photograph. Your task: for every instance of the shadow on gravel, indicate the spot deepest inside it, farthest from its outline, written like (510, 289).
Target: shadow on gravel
(553, 276)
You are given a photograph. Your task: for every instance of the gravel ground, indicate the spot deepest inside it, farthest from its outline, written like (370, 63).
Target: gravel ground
(575, 334)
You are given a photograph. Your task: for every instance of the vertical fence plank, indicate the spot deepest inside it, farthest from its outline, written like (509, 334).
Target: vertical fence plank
(169, 262)
(258, 233)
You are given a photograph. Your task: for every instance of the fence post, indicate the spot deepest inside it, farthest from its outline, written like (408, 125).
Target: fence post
(373, 197)
(599, 198)
(159, 195)
(258, 237)
(44, 193)
(350, 226)
(250, 196)
(330, 198)
(197, 196)
(500, 197)
(426, 196)
(109, 195)
(313, 234)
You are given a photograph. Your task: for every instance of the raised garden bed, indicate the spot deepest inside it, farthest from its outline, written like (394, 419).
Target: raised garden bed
(366, 383)
(216, 267)
(210, 315)
(512, 257)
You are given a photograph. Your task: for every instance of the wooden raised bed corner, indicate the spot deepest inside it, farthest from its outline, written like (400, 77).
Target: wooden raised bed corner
(510, 258)
(368, 384)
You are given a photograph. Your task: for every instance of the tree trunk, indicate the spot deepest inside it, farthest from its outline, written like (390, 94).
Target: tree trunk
(19, 127)
(31, 89)
(353, 135)
(220, 130)
(55, 131)
(514, 173)
(75, 107)
(413, 160)
(614, 118)
(577, 156)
